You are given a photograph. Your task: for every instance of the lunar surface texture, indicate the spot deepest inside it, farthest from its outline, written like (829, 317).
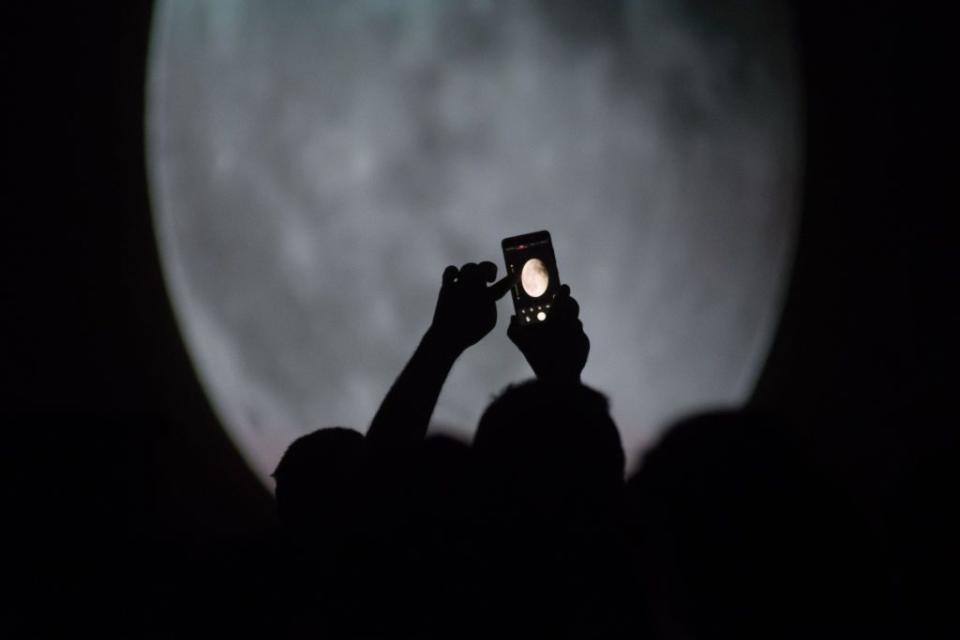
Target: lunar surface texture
(314, 166)
(534, 277)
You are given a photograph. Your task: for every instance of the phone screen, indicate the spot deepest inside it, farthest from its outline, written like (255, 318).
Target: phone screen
(531, 256)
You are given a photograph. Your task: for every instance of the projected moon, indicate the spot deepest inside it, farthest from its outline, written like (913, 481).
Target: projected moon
(534, 278)
(315, 166)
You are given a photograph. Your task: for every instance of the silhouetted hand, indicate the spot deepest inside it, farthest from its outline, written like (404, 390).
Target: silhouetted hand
(556, 348)
(466, 307)
(466, 311)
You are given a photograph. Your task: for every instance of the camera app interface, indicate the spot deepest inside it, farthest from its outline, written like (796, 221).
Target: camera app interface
(536, 290)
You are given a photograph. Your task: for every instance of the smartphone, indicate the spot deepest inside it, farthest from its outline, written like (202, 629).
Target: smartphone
(531, 256)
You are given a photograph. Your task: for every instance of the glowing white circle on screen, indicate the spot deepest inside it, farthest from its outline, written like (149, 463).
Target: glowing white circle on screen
(541, 316)
(534, 277)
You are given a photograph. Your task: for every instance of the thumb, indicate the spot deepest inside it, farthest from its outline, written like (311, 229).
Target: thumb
(499, 288)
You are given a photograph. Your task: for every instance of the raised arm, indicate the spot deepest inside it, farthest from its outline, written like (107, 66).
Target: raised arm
(466, 311)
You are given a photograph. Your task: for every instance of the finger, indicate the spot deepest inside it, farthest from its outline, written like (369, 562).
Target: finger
(565, 315)
(499, 289)
(450, 274)
(488, 271)
(469, 271)
(562, 307)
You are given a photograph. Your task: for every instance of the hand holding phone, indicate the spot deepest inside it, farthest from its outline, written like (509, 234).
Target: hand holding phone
(546, 328)
(557, 348)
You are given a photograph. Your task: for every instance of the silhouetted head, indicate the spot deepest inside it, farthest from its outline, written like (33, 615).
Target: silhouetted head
(552, 447)
(746, 534)
(321, 484)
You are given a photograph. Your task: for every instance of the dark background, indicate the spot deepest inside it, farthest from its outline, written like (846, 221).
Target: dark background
(125, 505)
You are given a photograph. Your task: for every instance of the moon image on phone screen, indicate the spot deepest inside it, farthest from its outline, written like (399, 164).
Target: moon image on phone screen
(534, 278)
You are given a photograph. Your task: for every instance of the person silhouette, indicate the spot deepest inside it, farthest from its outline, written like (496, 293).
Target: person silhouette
(353, 537)
(738, 532)
(552, 464)
(588, 456)
(533, 503)
(553, 449)
(322, 483)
